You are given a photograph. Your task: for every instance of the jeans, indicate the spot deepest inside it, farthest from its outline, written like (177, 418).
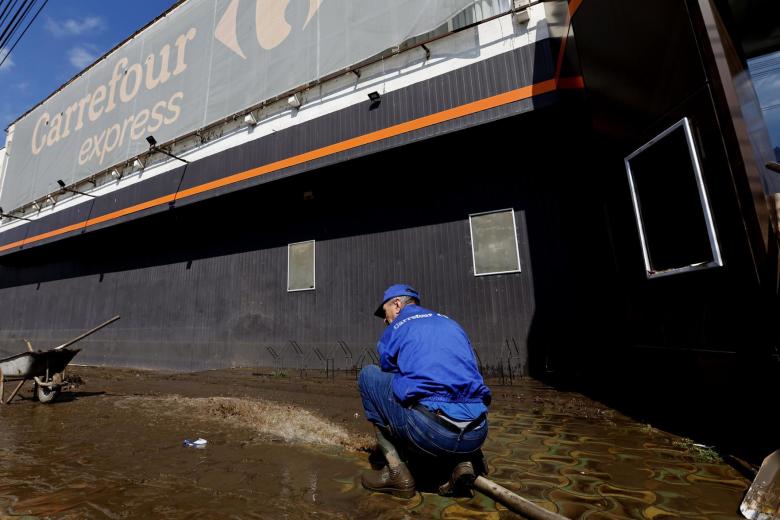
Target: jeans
(420, 432)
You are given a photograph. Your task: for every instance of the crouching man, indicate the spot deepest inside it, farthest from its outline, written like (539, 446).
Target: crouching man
(428, 393)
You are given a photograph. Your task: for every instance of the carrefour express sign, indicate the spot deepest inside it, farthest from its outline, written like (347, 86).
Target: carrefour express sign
(205, 60)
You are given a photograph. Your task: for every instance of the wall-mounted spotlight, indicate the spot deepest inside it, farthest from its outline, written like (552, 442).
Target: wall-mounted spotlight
(138, 163)
(154, 148)
(521, 11)
(376, 100)
(51, 199)
(71, 190)
(36, 206)
(296, 100)
(115, 173)
(250, 119)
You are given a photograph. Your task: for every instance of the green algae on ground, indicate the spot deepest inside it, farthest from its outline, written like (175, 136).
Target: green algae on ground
(699, 452)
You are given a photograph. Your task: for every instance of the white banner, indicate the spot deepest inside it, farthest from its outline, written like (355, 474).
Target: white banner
(205, 60)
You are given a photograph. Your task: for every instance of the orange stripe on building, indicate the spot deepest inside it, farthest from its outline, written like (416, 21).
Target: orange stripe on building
(349, 144)
(130, 209)
(573, 6)
(11, 245)
(385, 133)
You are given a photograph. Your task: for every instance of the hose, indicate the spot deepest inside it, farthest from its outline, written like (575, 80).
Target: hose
(513, 502)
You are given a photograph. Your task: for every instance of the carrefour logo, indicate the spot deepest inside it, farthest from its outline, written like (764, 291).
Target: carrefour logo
(271, 25)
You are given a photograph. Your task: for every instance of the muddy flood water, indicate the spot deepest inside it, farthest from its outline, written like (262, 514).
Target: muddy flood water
(294, 448)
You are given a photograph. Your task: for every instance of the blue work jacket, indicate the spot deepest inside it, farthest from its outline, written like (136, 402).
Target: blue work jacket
(432, 360)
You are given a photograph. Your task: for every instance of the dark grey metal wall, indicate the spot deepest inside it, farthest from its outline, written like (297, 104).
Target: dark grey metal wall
(204, 286)
(719, 310)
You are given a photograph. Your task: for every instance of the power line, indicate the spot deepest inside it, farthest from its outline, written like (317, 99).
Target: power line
(766, 69)
(766, 74)
(16, 22)
(770, 107)
(24, 32)
(13, 23)
(11, 4)
(765, 64)
(5, 10)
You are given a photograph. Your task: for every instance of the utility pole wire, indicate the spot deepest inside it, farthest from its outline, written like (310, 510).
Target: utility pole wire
(15, 22)
(24, 32)
(8, 27)
(11, 4)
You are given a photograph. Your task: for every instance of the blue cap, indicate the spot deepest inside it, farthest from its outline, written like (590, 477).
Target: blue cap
(394, 291)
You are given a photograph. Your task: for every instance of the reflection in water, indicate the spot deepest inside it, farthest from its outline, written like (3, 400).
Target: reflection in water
(584, 463)
(102, 458)
(110, 457)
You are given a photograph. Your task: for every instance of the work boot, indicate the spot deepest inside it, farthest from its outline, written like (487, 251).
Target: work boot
(461, 481)
(397, 481)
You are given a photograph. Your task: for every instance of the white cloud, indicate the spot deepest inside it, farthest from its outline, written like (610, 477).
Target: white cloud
(73, 27)
(82, 56)
(8, 61)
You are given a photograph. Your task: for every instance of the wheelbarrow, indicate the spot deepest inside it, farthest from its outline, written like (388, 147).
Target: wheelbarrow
(45, 367)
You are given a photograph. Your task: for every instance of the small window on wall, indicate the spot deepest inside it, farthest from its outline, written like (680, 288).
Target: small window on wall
(300, 266)
(671, 207)
(494, 242)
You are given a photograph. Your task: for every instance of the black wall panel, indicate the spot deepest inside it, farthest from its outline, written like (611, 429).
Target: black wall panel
(204, 285)
(137, 193)
(643, 70)
(693, 352)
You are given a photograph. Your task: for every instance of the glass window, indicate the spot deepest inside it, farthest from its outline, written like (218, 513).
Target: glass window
(494, 242)
(300, 266)
(670, 204)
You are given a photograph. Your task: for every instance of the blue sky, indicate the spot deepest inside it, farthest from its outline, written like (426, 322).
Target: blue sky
(67, 36)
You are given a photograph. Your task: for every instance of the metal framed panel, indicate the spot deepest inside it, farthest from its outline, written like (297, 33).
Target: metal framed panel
(652, 270)
(514, 237)
(290, 264)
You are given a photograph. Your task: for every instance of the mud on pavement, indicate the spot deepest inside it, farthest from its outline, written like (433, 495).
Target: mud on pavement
(293, 447)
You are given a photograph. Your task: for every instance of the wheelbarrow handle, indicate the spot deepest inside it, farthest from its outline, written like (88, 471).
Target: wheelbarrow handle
(90, 331)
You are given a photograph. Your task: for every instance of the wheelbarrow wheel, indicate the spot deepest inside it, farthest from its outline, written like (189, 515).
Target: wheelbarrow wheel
(47, 395)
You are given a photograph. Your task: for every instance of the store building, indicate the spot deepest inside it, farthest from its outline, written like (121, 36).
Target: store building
(582, 185)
